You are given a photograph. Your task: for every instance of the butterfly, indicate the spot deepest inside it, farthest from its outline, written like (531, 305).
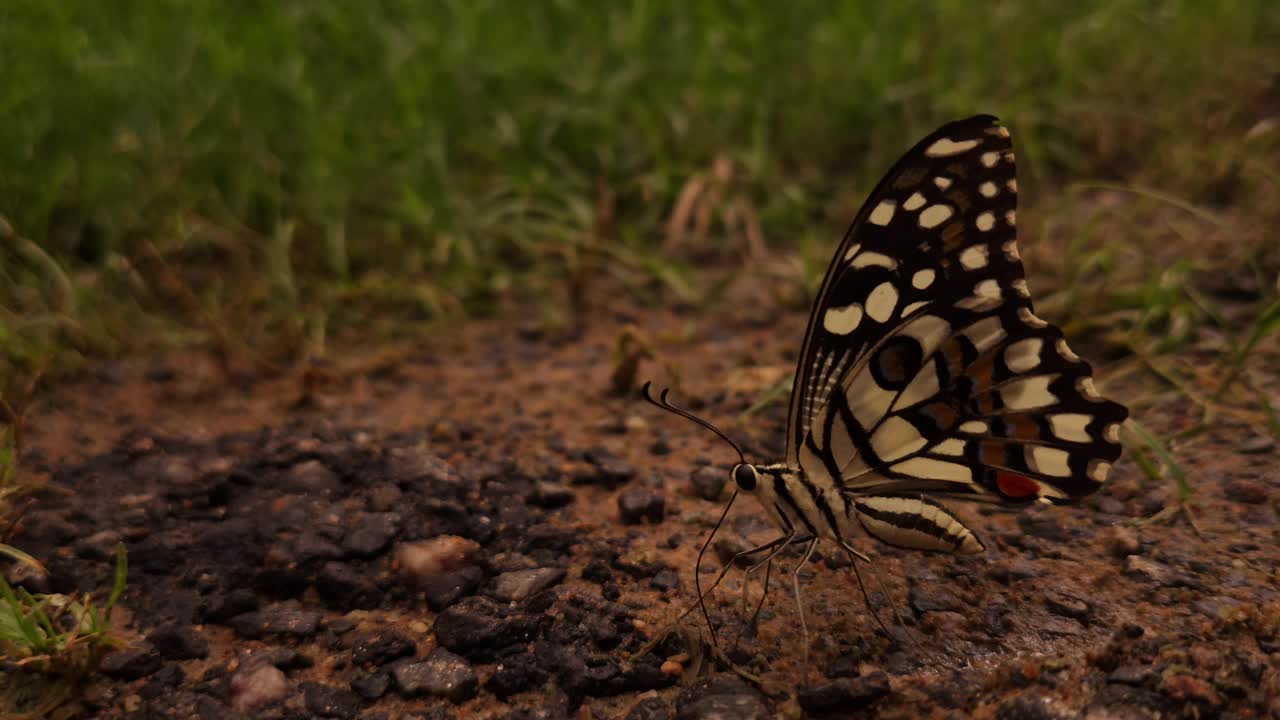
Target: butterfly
(925, 373)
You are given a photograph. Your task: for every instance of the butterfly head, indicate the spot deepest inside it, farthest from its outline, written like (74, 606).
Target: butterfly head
(746, 476)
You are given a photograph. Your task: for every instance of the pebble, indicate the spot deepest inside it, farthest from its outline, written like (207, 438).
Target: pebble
(1067, 605)
(256, 685)
(1031, 705)
(426, 559)
(371, 686)
(708, 482)
(477, 627)
(665, 580)
(1246, 490)
(98, 546)
(931, 599)
(442, 674)
(551, 495)
(1121, 541)
(650, 708)
(1139, 567)
(178, 642)
(131, 663)
(844, 693)
(638, 504)
(313, 477)
(721, 698)
(286, 618)
(444, 590)
(380, 648)
(1135, 675)
(384, 497)
(344, 588)
(1256, 445)
(516, 674)
(329, 701)
(522, 584)
(371, 534)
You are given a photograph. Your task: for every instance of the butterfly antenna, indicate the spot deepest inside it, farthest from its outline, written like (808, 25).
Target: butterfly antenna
(663, 403)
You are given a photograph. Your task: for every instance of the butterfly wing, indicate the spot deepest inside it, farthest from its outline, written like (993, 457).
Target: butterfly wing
(924, 367)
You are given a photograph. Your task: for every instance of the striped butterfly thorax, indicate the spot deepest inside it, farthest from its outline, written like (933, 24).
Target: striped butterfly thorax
(925, 372)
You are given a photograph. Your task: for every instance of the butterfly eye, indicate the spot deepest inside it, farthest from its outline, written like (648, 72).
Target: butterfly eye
(745, 476)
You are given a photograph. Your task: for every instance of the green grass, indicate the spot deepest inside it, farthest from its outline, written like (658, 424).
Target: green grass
(266, 175)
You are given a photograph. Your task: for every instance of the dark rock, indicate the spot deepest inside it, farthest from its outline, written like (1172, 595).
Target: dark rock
(652, 708)
(284, 658)
(925, 599)
(1011, 570)
(344, 588)
(720, 698)
(1151, 571)
(844, 693)
(1256, 445)
(1219, 607)
(661, 446)
(223, 606)
(550, 495)
(1031, 706)
(162, 681)
(312, 548)
(329, 701)
(313, 478)
(1245, 490)
(477, 628)
(1067, 606)
(638, 504)
(384, 497)
(597, 571)
(286, 618)
(708, 482)
(98, 546)
(441, 591)
(522, 584)
(131, 663)
(442, 674)
(607, 471)
(178, 642)
(371, 686)
(1046, 526)
(845, 666)
(665, 580)
(372, 534)
(380, 648)
(516, 674)
(1135, 675)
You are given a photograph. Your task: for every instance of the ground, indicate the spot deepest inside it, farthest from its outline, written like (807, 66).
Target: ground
(482, 527)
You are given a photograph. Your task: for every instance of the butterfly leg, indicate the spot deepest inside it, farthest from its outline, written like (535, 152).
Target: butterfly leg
(866, 597)
(795, 584)
(775, 545)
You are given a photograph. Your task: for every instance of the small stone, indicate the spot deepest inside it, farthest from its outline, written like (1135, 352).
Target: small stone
(178, 642)
(344, 588)
(845, 666)
(426, 559)
(671, 667)
(1220, 607)
(661, 446)
(638, 504)
(1122, 541)
(131, 663)
(522, 584)
(516, 674)
(1135, 675)
(1245, 490)
(721, 698)
(442, 674)
(256, 685)
(1187, 687)
(371, 686)
(98, 546)
(551, 495)
(708, 482)
(380, 648)
(329, 701)
(931, 599)
(730, 548)
(1139, 567)
(477, 627)
(224, 606)
(313, 477)
(371, 534)
(1256, 445)
(665, 580)
(384, 497)
(1067, 605)
(1032, 706)
(844, 693)
(650, 708)
(444, 590)
(311, 547)
(286, 618)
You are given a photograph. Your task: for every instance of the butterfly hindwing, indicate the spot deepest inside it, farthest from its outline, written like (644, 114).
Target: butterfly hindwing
(924, 366)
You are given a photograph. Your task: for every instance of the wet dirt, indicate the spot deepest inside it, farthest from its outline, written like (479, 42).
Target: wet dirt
(480, 528)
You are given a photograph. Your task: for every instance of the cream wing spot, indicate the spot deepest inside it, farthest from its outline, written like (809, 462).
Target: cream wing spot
(1012, 185)
(1024, 355)
(913, 307)
(1028, 393)
(923, 278)
(985, 221)
(989, 159)
(883, 213)
(942, 182)
(945, 147)
(923, 387)
(1085, 387)
(853, 250)
(913, 203)
(874, 258)
(1030, 320)
(988, 189)
(1011, 218)
(931, 469)
(1011, 251)
(975, 427)
(934, 215)
(882, 301)
(1098, 470)
(1070, 426)
(951, 446)
(896, 438)
(1112, 433)
(1048, 460)
(842, 320)
(1020, 287)
(974, 257)
(1066, 352)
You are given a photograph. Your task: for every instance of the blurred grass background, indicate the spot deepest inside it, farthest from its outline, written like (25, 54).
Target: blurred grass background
(261, 176)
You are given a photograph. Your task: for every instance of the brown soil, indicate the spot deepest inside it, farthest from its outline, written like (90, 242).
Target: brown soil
(263, 520)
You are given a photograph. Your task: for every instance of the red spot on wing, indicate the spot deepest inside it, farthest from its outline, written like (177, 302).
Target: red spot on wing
(1016, 486)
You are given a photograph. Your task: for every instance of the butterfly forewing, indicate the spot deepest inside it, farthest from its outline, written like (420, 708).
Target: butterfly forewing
(924, 367)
